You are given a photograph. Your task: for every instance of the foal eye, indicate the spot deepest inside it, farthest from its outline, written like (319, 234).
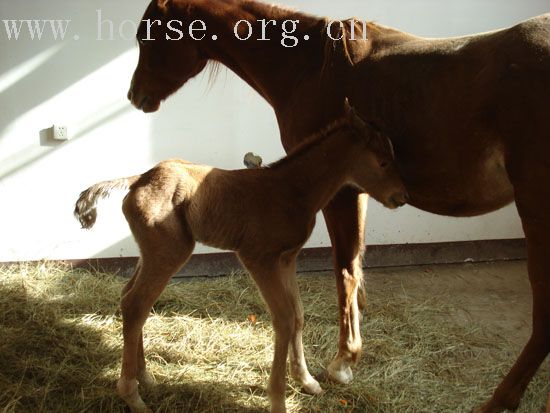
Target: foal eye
(384, 164)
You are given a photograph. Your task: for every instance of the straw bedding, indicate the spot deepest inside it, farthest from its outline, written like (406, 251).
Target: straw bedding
(209, 346)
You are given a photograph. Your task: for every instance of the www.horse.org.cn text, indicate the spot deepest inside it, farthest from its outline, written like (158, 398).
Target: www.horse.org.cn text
(244, 30)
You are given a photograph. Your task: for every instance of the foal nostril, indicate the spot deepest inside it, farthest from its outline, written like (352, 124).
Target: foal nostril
(400, 198)
(130, 95)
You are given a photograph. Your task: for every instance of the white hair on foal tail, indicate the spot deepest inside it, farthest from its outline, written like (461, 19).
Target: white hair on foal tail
(85, 207)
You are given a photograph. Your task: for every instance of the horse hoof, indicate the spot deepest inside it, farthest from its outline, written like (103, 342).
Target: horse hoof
(488, 407)
(312, 387)
(342, 375)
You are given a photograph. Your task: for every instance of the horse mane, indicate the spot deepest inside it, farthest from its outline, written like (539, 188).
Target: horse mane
(310, 141)
(336, 49)
(276, 11)
(214, 68)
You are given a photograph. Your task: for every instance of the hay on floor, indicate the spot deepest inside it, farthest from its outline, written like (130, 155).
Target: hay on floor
(209, 346)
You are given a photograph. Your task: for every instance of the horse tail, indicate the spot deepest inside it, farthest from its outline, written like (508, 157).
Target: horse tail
(85, 207)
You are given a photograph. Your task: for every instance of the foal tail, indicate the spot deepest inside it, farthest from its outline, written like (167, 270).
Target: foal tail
(85, 207)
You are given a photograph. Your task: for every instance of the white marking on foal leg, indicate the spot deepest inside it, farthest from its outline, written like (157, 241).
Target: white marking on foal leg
(128, 391)
(307, 382)
(298, 366)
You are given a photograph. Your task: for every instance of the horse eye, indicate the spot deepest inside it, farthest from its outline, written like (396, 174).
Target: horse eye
(384, 164)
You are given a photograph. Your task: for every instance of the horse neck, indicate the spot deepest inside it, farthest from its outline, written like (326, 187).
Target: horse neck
(319, 169)
(271, 69)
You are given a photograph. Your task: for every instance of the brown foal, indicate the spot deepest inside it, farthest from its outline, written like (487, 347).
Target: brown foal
(265, 215)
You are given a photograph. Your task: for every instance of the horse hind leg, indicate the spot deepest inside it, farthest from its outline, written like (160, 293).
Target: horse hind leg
(532, 203)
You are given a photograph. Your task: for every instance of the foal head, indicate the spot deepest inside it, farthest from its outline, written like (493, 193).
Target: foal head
(373, 168)
(166, 61)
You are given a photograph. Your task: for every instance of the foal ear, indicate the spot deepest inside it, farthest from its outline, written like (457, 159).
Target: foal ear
(355, 119)
(373, 130)
(348, 110)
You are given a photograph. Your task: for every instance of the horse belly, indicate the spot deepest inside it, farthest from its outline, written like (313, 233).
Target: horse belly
(467, 188)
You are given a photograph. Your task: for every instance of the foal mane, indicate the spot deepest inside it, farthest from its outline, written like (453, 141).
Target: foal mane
(311, 141)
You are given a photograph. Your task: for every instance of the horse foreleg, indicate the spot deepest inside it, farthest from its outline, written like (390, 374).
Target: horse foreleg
(345, 218)
(532, 206)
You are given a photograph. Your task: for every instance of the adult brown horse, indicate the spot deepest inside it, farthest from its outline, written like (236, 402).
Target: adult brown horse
(468, 117)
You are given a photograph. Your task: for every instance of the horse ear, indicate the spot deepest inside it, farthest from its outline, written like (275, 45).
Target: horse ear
(163, 5)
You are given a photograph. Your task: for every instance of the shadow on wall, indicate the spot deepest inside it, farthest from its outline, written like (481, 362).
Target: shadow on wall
(26, 157)
(49, 81)
(52, 77)
(33, 71)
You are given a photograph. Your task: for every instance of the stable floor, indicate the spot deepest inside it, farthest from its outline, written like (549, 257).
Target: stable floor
(494, 296)
(435, 339)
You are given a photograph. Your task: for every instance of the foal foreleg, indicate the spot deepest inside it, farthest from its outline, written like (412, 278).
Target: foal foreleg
(298, 365)
(345, 218)
(278, 293)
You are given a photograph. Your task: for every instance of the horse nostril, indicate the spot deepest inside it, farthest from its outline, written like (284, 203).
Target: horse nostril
(130, 95)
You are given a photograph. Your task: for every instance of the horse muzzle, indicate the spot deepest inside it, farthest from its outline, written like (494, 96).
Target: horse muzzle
(143, 102)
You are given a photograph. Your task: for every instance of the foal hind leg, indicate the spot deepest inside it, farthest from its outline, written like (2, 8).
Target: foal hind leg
(143, 376)
(532, 206)
(345, 218)
(163, 253)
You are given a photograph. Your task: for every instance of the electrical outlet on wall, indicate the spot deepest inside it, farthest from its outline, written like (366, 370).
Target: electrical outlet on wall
(59, 133)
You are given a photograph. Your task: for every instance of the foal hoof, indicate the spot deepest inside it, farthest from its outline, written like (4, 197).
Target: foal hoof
(278, 408)
(128, 391)
(147, 379)
(312, 387)
(340, 374)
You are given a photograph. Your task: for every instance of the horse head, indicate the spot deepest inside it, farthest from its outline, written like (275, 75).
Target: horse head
(168, 57)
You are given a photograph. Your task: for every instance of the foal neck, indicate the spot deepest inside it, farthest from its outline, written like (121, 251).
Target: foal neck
(319, 167)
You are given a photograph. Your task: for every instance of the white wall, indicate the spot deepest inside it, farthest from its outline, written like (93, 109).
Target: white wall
(82, 84)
